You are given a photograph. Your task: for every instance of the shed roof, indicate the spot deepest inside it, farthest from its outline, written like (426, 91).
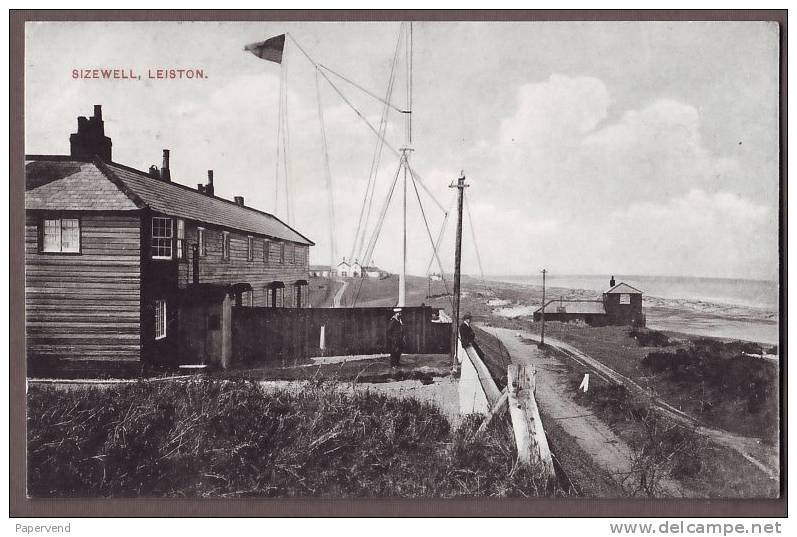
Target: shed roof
(574, 306)
(624, 288)
(63, 183)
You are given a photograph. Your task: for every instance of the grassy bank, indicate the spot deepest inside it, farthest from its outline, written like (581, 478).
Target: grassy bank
(712, 380)
(234, 439)
(665, 450)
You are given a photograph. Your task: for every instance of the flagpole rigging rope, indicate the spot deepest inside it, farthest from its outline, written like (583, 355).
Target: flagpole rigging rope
(368, 123)
(286, 145)
(365, 210)
(386, 102)
(330, 191)
(431, 240)
(375, 236)
(473, 236)
(440, 235)
(279, 141)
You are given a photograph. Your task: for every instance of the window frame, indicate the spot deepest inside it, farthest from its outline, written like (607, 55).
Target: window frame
(200, 238)
(60, 218)
(169, 239)
(625, 298)
(266, 250)
(161, 319)
(225, 245)
(179, 239)
(250, 248)
(282, 253)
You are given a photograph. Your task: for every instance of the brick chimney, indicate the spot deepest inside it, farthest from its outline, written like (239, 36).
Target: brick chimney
(90, 140)
(239, 200)
(611, 282)
(166, 174)
(209, 187)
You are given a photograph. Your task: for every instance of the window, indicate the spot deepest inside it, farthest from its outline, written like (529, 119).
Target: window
(180, 238)
(160, 319)
(279, 296)
(293, 254)
(225, 245)
(247, 298)
(266, 248)
(625, 298)
(250, 248)
(60, 235)
(299, 296)
(282, 253)
(200, 237)
(161, 238)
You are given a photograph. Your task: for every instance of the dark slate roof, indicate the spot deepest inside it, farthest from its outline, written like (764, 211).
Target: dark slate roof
(625, 289)
(71, 186)
(61, 183)
(185, 202)
(574, 306)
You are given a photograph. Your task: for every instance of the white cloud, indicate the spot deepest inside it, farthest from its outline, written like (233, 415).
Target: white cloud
(718, 234)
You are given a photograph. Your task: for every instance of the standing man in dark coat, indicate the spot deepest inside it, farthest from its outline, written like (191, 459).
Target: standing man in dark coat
(395, 338)
(466, 334)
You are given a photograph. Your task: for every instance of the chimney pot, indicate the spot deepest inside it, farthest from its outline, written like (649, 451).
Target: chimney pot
(166, 173)
(90, 141)
(239, 200)
(209, 190)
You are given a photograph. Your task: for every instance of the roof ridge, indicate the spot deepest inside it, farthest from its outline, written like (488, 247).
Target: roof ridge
(118, 183)
(225, 200)
(627, 285)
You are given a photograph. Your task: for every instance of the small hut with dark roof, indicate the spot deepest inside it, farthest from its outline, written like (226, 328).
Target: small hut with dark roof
(620, 305)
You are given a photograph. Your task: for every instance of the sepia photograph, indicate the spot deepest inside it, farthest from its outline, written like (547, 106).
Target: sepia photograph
(403, 259)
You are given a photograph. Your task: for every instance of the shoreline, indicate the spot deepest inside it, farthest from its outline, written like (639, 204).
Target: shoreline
(690, 317)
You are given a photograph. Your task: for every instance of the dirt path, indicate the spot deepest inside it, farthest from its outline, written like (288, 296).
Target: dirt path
(765, 458)
(339, 294)
(555, 398)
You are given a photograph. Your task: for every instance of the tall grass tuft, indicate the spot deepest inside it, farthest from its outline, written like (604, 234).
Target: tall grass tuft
(232, 438)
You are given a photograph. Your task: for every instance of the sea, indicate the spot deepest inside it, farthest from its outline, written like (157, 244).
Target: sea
(717, 307)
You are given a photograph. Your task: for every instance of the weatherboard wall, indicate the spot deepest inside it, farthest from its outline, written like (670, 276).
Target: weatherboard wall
(259, 272)
(85, 306)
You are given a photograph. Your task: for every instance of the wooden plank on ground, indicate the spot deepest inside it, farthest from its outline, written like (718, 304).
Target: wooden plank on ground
(532, 444)
(497, 409)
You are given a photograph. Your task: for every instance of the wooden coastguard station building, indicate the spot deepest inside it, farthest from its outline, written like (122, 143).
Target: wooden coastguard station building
(115, 258)
(621, 304)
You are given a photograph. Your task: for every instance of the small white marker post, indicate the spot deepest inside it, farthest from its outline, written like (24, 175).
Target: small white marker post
(322, 343)
(584, 383)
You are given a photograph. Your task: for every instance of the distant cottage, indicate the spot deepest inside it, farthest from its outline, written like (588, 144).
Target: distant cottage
(620, 305)
(119, 261)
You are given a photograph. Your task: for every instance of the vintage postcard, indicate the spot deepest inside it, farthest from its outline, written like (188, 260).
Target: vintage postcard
(403, 259)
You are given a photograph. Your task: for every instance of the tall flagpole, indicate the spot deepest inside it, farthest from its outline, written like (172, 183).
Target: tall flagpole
(405, 151)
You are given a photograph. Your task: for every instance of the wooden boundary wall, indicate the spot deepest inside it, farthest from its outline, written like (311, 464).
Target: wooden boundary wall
(261, 335)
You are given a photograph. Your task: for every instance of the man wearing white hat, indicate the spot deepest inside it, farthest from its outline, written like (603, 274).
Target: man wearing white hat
(395, 337)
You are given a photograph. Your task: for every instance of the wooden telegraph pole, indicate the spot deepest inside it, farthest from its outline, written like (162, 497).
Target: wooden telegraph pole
(542, 311)
(460, 186)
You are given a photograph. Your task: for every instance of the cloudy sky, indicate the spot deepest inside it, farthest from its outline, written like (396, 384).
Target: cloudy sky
(591, 148)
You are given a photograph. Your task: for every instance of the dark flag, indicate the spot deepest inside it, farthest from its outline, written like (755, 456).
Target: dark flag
(270, 49)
